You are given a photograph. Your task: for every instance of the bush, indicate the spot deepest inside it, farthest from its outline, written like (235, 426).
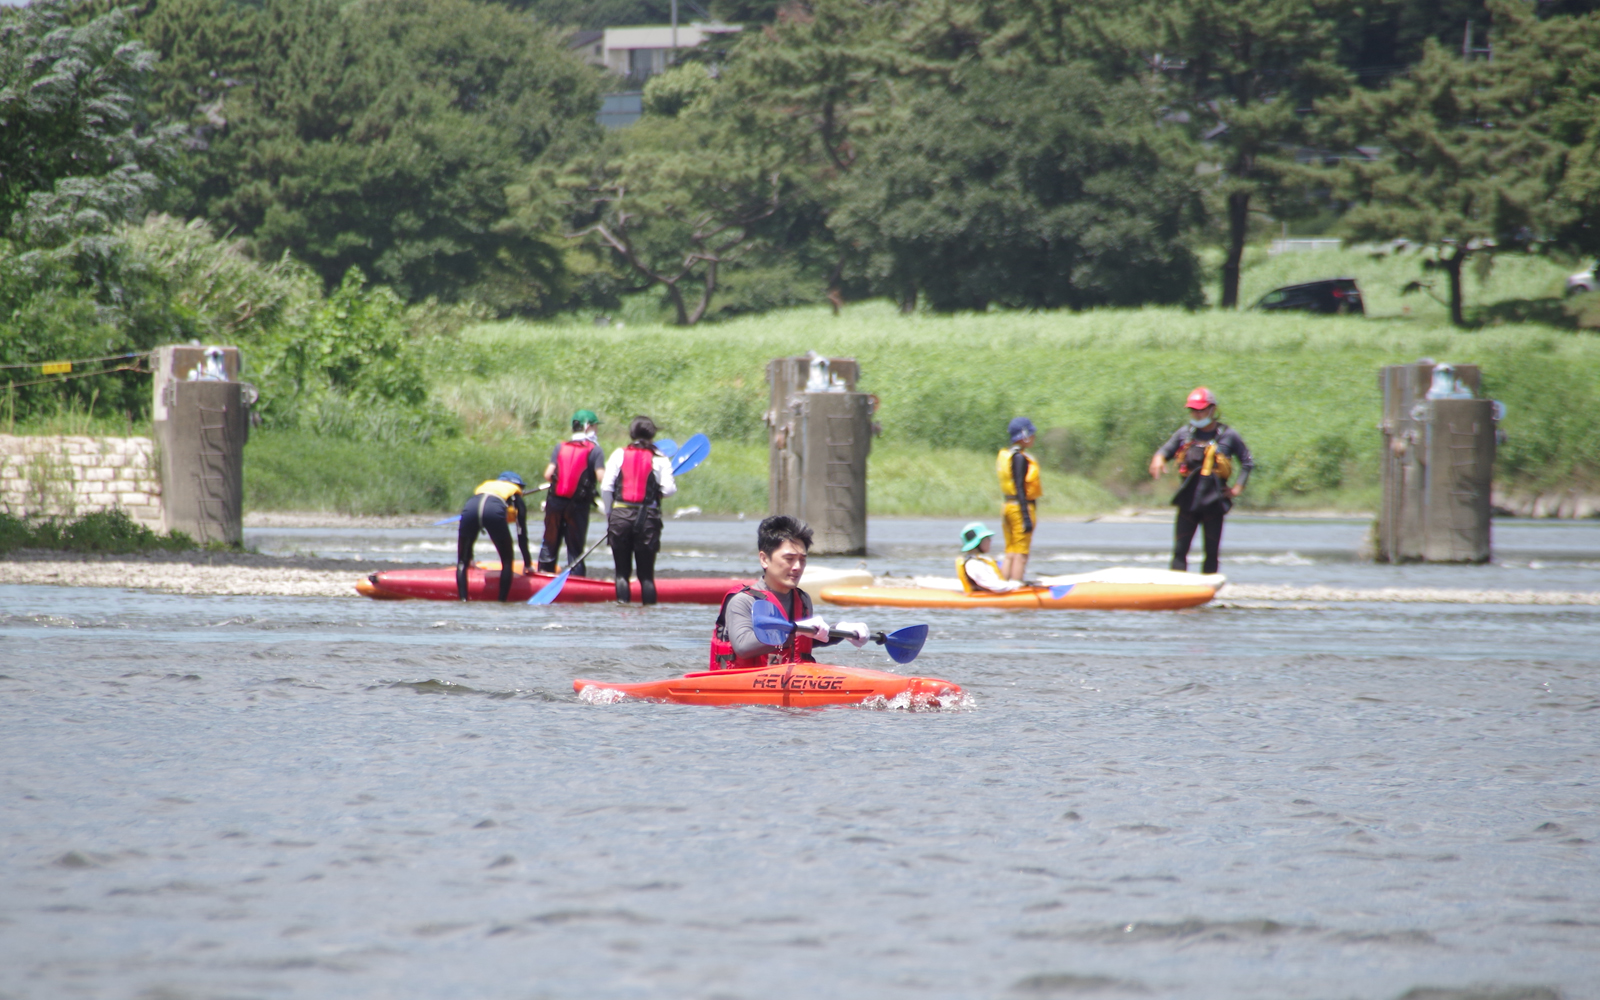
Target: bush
(108, 531)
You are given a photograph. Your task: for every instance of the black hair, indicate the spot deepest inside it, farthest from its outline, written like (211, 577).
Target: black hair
(642, 429)
(780, 528)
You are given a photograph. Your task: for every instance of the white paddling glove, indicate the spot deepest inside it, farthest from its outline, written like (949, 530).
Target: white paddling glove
(815, 625)
(859, 634)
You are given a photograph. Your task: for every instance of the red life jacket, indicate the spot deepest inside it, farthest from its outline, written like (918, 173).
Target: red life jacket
(637, 473)
(1196, 455)
(573, 473)
(796, 650)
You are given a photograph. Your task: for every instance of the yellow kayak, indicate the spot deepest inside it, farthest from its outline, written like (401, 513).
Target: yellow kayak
(1106, 590)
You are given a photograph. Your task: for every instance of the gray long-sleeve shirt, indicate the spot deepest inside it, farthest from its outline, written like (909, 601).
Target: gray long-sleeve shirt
(742, 633)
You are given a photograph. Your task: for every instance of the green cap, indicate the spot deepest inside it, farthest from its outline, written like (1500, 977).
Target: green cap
(585, 417)
(973, 535)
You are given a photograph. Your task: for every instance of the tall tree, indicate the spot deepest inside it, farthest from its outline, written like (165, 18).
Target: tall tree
(675, 202)
(1044, 187)
(1247, 70)
(1471, 153)
(379, 135)
(78, 152)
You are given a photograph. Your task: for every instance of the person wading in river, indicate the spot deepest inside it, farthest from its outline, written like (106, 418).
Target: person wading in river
(573, 473)
(635, 480)
(1206, 452)
(783, 543)
(1020, 491)
(493, 507)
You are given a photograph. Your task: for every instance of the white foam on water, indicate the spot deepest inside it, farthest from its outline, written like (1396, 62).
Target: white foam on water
(593, 694)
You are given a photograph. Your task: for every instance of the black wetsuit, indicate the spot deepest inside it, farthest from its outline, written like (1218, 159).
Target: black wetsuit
(1203, 501)
(487, 512)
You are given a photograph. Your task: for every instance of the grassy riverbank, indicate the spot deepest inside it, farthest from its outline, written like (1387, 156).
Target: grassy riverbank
(1104, 387)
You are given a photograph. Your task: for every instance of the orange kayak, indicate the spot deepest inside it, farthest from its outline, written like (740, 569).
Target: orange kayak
(1088, 596)
(793, 685)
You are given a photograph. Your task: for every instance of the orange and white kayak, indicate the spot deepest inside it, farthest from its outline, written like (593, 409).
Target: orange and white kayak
(791, 685)
(1115, 589)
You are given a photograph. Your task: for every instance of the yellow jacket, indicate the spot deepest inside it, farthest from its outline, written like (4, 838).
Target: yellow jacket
(1008, 488)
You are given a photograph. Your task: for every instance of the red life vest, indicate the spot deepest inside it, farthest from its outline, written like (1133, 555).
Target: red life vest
(637, 473)
(573, 473)
(796, 650)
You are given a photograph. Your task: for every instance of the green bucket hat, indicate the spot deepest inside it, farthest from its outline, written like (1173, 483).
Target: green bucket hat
(973, 534)
(585, 417)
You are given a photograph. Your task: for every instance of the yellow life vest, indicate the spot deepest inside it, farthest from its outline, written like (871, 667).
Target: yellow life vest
(1212, 462)
(502, 489)
(961, 571)
(1030, 481)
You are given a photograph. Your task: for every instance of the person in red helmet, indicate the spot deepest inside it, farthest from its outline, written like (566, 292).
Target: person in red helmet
(1207, 453)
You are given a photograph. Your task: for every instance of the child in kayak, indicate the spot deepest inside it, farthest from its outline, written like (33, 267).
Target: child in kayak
(978, 572)
(783, 543)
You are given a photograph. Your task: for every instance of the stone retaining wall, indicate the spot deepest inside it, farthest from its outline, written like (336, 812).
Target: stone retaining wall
(73, 476)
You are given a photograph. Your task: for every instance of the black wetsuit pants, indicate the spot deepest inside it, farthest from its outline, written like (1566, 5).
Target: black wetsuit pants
(485, 512)
(565, 520)
(635, 538)
(1207, 518)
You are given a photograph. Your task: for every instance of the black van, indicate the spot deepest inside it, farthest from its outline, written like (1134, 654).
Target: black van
(1335, 296)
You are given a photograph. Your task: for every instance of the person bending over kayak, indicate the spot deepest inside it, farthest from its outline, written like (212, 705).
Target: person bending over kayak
(1206, 452)
(635, 480)
(573, 473)
(493, 507)
(978, 572)
(783, 543)
(1020, 489)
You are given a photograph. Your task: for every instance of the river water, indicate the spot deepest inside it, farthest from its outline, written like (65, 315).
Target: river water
(209, 797)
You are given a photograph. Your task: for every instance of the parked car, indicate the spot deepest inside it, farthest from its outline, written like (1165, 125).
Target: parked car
(1335, 296)
(1584, 281)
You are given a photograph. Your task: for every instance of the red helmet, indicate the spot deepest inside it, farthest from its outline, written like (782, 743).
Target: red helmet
(1200, 399)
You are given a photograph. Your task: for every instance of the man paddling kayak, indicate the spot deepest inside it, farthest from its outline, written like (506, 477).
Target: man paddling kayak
(978, 572)
(1206, 451)
(783, 544)
(493, 507)
(636, 479)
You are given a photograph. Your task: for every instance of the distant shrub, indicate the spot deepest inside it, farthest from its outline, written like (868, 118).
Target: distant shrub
(108, 531)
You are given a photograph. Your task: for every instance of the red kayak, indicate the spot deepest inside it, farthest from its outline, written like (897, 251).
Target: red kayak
(484, 585)
(794, 685)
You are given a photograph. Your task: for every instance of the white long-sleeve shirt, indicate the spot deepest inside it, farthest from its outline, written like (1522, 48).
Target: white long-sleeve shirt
(660, 464)
(984, 577)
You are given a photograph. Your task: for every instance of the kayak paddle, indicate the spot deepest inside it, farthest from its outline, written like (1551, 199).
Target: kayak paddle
(552, 590)
(772, 629)
(666, 446)
(691, 454)
(453, 518)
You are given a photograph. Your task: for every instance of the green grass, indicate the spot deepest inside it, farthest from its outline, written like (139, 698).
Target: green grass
(1514, 278)
(1105, 386)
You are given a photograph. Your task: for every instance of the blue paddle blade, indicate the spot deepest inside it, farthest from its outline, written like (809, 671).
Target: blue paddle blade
(903, 644)
(771, 628)
(550, 591)
(454, 518)
(1057, 593)
(667, 446)
(691, 454)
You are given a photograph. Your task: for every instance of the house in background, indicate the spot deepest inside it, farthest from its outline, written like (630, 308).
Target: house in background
(640, 52)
